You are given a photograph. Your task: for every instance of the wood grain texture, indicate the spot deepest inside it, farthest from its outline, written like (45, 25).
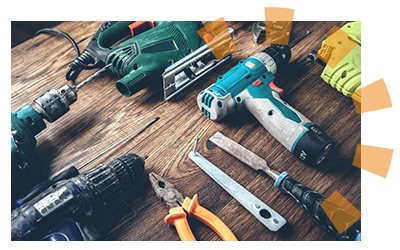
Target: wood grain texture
(102, 116)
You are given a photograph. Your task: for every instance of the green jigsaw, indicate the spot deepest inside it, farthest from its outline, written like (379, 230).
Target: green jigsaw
(143, 57)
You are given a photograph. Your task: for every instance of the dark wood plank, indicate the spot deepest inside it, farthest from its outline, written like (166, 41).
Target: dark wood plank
(101, 117)
(24, 30)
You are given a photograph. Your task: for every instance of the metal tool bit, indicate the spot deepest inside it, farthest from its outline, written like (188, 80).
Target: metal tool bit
(257, 28)
(77, 87)
(292, 44)
(266, 215)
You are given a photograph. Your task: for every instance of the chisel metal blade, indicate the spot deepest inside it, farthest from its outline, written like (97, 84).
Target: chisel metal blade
(242, 154)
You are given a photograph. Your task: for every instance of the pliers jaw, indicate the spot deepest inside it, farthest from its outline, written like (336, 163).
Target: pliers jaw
(166, 191)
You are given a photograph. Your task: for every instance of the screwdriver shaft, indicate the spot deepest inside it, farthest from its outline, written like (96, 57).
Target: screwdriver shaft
(116, 144)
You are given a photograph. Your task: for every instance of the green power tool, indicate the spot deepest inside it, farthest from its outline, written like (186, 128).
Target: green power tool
(142, 58)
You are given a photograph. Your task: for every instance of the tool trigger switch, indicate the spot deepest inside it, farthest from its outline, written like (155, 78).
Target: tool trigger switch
(274, 87)
(257, 83)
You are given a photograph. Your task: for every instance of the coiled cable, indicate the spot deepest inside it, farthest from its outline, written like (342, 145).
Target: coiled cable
(84, 61)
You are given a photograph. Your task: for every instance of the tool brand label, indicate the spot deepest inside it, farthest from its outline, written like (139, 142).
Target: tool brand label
(49, 203)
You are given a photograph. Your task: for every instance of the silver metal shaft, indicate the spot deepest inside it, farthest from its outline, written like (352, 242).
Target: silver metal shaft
(77, 87)
(300, 38)
(116, 144)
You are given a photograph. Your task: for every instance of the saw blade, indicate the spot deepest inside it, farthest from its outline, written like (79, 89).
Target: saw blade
(192, 68)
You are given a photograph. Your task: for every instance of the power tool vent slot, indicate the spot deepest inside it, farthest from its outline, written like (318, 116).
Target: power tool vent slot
(119, 59)
(207, 99)
(177, 36)
(128, 51)
(205, 112)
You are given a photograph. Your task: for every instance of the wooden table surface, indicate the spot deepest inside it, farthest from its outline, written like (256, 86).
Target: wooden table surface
(101, 117)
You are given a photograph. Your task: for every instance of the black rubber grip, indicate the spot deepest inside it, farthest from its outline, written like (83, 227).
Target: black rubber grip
(65, 175)
(310, 201)
(108, 183)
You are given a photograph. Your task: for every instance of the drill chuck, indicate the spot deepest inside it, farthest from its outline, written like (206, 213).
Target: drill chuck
(279, 54)
(108, 182)
(55, 102)
(250, 85)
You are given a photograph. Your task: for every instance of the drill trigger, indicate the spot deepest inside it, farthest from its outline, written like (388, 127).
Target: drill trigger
(274, 87)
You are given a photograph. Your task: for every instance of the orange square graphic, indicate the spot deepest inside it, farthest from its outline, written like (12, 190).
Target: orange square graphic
(376, 96)
(218, 38)
(278, 24)
(340, 211)
(336, 47)
(375, 160)
(356, 96)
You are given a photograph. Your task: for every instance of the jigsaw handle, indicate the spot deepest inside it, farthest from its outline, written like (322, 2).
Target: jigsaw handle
(310, 201)
(140, 26)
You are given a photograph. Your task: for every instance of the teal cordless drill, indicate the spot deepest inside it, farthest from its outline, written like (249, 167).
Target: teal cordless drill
(249, 85)
(143, 57)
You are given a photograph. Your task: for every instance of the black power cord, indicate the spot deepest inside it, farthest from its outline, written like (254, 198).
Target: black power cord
(81, 62)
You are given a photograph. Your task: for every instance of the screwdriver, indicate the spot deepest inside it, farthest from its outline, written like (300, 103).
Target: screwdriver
(308, 199)
(70, 172)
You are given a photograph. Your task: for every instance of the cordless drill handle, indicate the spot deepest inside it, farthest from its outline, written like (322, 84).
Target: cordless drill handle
(310, 201)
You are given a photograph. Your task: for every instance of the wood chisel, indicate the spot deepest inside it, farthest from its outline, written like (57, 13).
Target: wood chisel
(308, 199)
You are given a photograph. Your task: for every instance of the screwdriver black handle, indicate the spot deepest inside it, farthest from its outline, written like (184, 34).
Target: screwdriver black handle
(64, 175)
(310, 201)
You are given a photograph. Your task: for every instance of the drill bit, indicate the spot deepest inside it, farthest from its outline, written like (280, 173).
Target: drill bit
(116, 144)
(77, 87)
(300, 38)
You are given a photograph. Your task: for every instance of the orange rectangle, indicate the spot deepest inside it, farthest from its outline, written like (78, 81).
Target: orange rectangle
(340, 211)
(278, 24)
(218, 38)
(336, 47)
(375, 160)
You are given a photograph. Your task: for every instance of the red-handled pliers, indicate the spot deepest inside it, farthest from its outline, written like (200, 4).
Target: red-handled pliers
(180, 208)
